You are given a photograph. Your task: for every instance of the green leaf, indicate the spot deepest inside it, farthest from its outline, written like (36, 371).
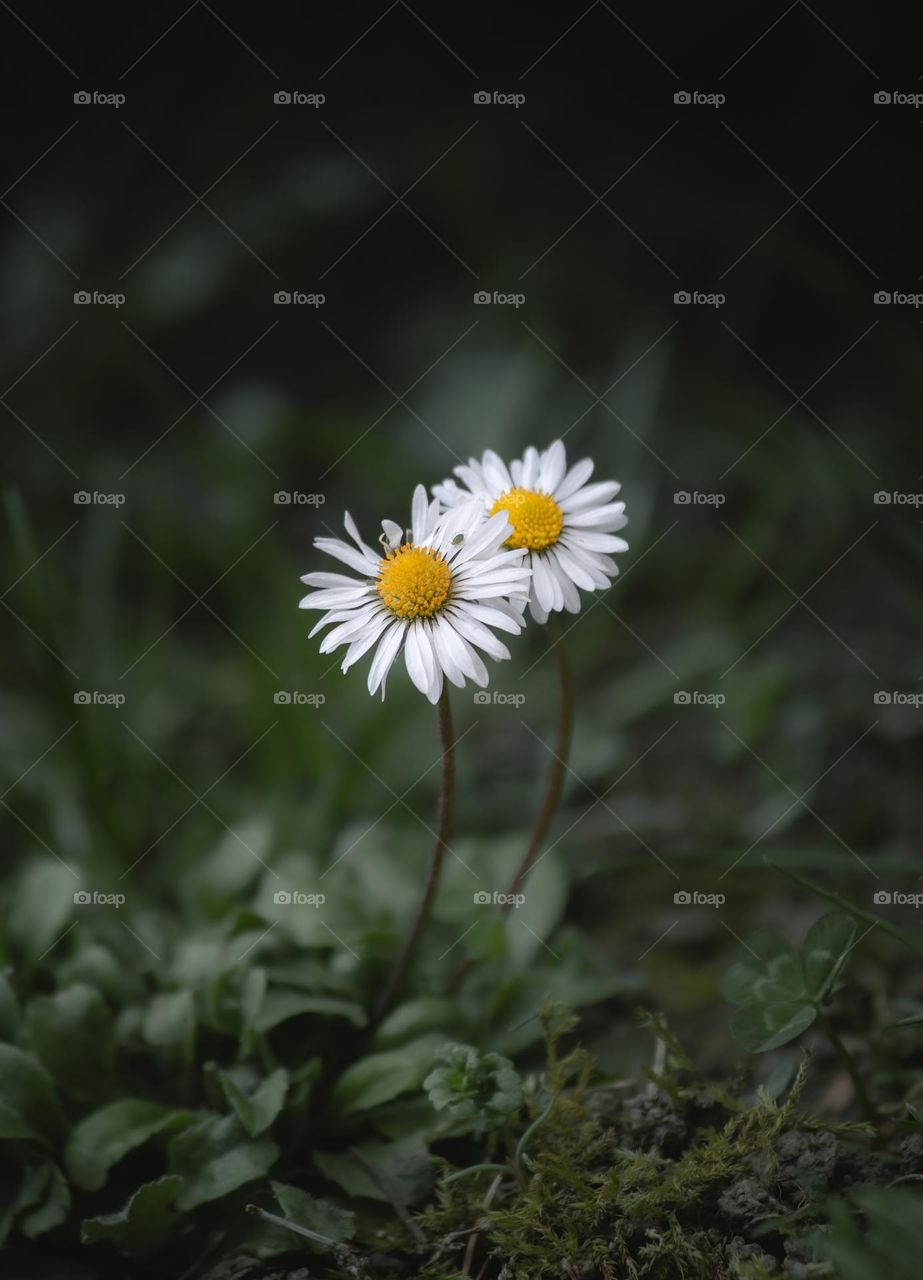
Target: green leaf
(762, 1026)
(9, 1011)
(101, 1139)
(403, 1170)
(143, 1225)
(29, 1104)
(382, 1076)
(415, 1017)
(215, 1157)
(858, 913)
(42, 903)
(258, 1110)
(280, 1005)
(824, 952)
(316, 1215)
(170, 1024)
(53, 1206)
(72, 1034)
(768, 970)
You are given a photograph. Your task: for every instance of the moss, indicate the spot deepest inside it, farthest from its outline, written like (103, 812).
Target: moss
(668, 1186)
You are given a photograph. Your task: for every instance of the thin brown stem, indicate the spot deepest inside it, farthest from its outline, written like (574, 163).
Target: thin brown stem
(555, 783)
(559, 765)
(443, 834)
(848, 1062)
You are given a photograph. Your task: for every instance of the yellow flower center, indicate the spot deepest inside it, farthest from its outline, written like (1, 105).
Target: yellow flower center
(536, 518)
(414, 581)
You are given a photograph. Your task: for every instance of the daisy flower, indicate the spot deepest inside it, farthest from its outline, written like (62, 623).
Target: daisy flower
(565, 525)
(438, 593)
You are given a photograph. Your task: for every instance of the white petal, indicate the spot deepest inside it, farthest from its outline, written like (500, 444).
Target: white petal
(387, 650)
(605, 518)
(492, 617)
(578, 475)
(591, 495)
(531, 466)
(496, 476)
(418, 658)
(590, 540)
(418, 513)
(446, 646)
(542, 584)
(349, 555)
(554, 463)
(470, 629)
(364, 642)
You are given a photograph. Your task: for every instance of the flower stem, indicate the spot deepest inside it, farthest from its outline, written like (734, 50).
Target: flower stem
(555, 783)
(846, 1058)
(443, 834)
(556, 778)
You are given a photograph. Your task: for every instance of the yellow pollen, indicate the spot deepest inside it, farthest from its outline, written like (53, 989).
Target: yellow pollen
(536, 518)
(414, 581)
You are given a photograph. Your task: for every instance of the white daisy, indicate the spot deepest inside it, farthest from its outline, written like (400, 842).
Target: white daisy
(565, 525)
(440, 594)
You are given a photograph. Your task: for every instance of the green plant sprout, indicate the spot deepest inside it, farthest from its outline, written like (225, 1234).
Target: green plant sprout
(780, 991)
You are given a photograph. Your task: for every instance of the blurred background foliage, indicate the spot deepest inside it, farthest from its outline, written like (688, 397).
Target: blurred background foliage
(199, 199)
